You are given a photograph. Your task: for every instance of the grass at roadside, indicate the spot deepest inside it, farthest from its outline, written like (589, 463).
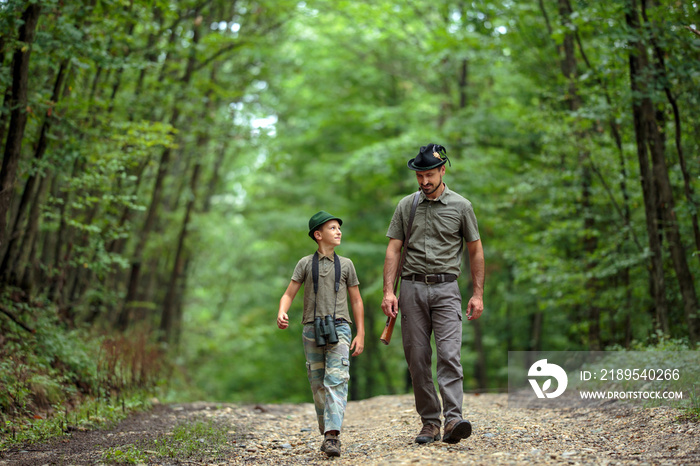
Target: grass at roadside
(90, 414)
(198, 440)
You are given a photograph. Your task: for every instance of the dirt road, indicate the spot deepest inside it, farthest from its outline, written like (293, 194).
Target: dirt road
(381, 431)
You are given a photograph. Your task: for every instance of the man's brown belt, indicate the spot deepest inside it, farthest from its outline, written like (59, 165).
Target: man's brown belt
(431, 279)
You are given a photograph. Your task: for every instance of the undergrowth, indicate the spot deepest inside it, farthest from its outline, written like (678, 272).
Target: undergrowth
(56, 377)
(683, 359)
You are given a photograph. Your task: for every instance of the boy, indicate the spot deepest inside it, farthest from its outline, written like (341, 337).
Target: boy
(329, 278)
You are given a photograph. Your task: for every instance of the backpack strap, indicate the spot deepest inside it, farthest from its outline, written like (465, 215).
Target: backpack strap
(414, 206)
(314, 271)
(336, 262)
(314, 274)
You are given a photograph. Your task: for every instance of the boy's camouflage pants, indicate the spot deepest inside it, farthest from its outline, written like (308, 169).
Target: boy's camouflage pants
(328, 368)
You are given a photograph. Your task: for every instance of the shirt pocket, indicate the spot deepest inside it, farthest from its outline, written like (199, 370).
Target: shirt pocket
(449, 217)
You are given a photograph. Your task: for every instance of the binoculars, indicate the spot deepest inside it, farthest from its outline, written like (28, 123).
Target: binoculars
(324, 329)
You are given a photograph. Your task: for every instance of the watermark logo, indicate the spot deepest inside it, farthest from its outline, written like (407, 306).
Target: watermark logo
(592, 378)
(542, 368)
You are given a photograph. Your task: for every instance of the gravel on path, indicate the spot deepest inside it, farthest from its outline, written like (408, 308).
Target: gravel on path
(381, 430)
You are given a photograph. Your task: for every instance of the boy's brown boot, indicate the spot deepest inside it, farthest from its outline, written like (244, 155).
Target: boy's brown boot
(331, 445)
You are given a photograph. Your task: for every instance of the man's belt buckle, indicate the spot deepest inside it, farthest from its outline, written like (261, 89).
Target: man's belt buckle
(427, 279)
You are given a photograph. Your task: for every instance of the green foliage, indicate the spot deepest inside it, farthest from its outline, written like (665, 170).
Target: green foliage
(15, 393)
(193, 441)
(128, 454)
(55, 377)
(284, 108)
(187, 439)
(355, 90)
(694, 407)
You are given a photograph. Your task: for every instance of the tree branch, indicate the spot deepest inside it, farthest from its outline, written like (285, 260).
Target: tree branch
(694, 31)
(14, 319)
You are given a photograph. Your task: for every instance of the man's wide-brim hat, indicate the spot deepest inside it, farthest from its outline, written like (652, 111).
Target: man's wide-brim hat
(318, 219)
(429, 157)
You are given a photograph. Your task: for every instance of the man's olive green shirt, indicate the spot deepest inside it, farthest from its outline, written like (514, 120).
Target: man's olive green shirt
(438, 231)
(326, 300)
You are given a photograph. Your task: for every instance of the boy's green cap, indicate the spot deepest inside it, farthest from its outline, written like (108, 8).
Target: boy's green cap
(318, 219)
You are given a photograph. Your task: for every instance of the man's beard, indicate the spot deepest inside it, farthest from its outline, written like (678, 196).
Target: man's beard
(428, 193)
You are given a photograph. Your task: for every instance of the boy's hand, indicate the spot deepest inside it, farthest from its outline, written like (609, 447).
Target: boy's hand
(358, 344)
(282, 320)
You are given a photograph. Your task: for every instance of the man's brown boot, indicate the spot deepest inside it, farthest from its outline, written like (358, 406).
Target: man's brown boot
(456, 430)
(428, 434)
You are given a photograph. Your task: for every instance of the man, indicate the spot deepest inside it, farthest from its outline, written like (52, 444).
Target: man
(430, 299)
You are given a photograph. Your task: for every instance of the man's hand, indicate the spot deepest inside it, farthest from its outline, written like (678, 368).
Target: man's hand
(474, 308)
(282, 320)
(476, 263)
(358, 344)
(390, 305)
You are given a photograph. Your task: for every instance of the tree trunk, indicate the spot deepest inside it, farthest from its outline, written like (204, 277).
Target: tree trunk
(536, 331)
(168, 314)
(670, 222)
(650, 120)
(18, 114)
(64, 241)
(660, 63)
(171, 318)
(638, 67)
(25, 262)
(157, 191)
(9, 262)
(48, 245)
(624, 211)
(4, 117)
(573, 99)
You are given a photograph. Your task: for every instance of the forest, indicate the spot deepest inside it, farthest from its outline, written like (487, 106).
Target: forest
(161, 160)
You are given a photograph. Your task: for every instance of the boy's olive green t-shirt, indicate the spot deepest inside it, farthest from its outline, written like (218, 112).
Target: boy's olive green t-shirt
(326, 299)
